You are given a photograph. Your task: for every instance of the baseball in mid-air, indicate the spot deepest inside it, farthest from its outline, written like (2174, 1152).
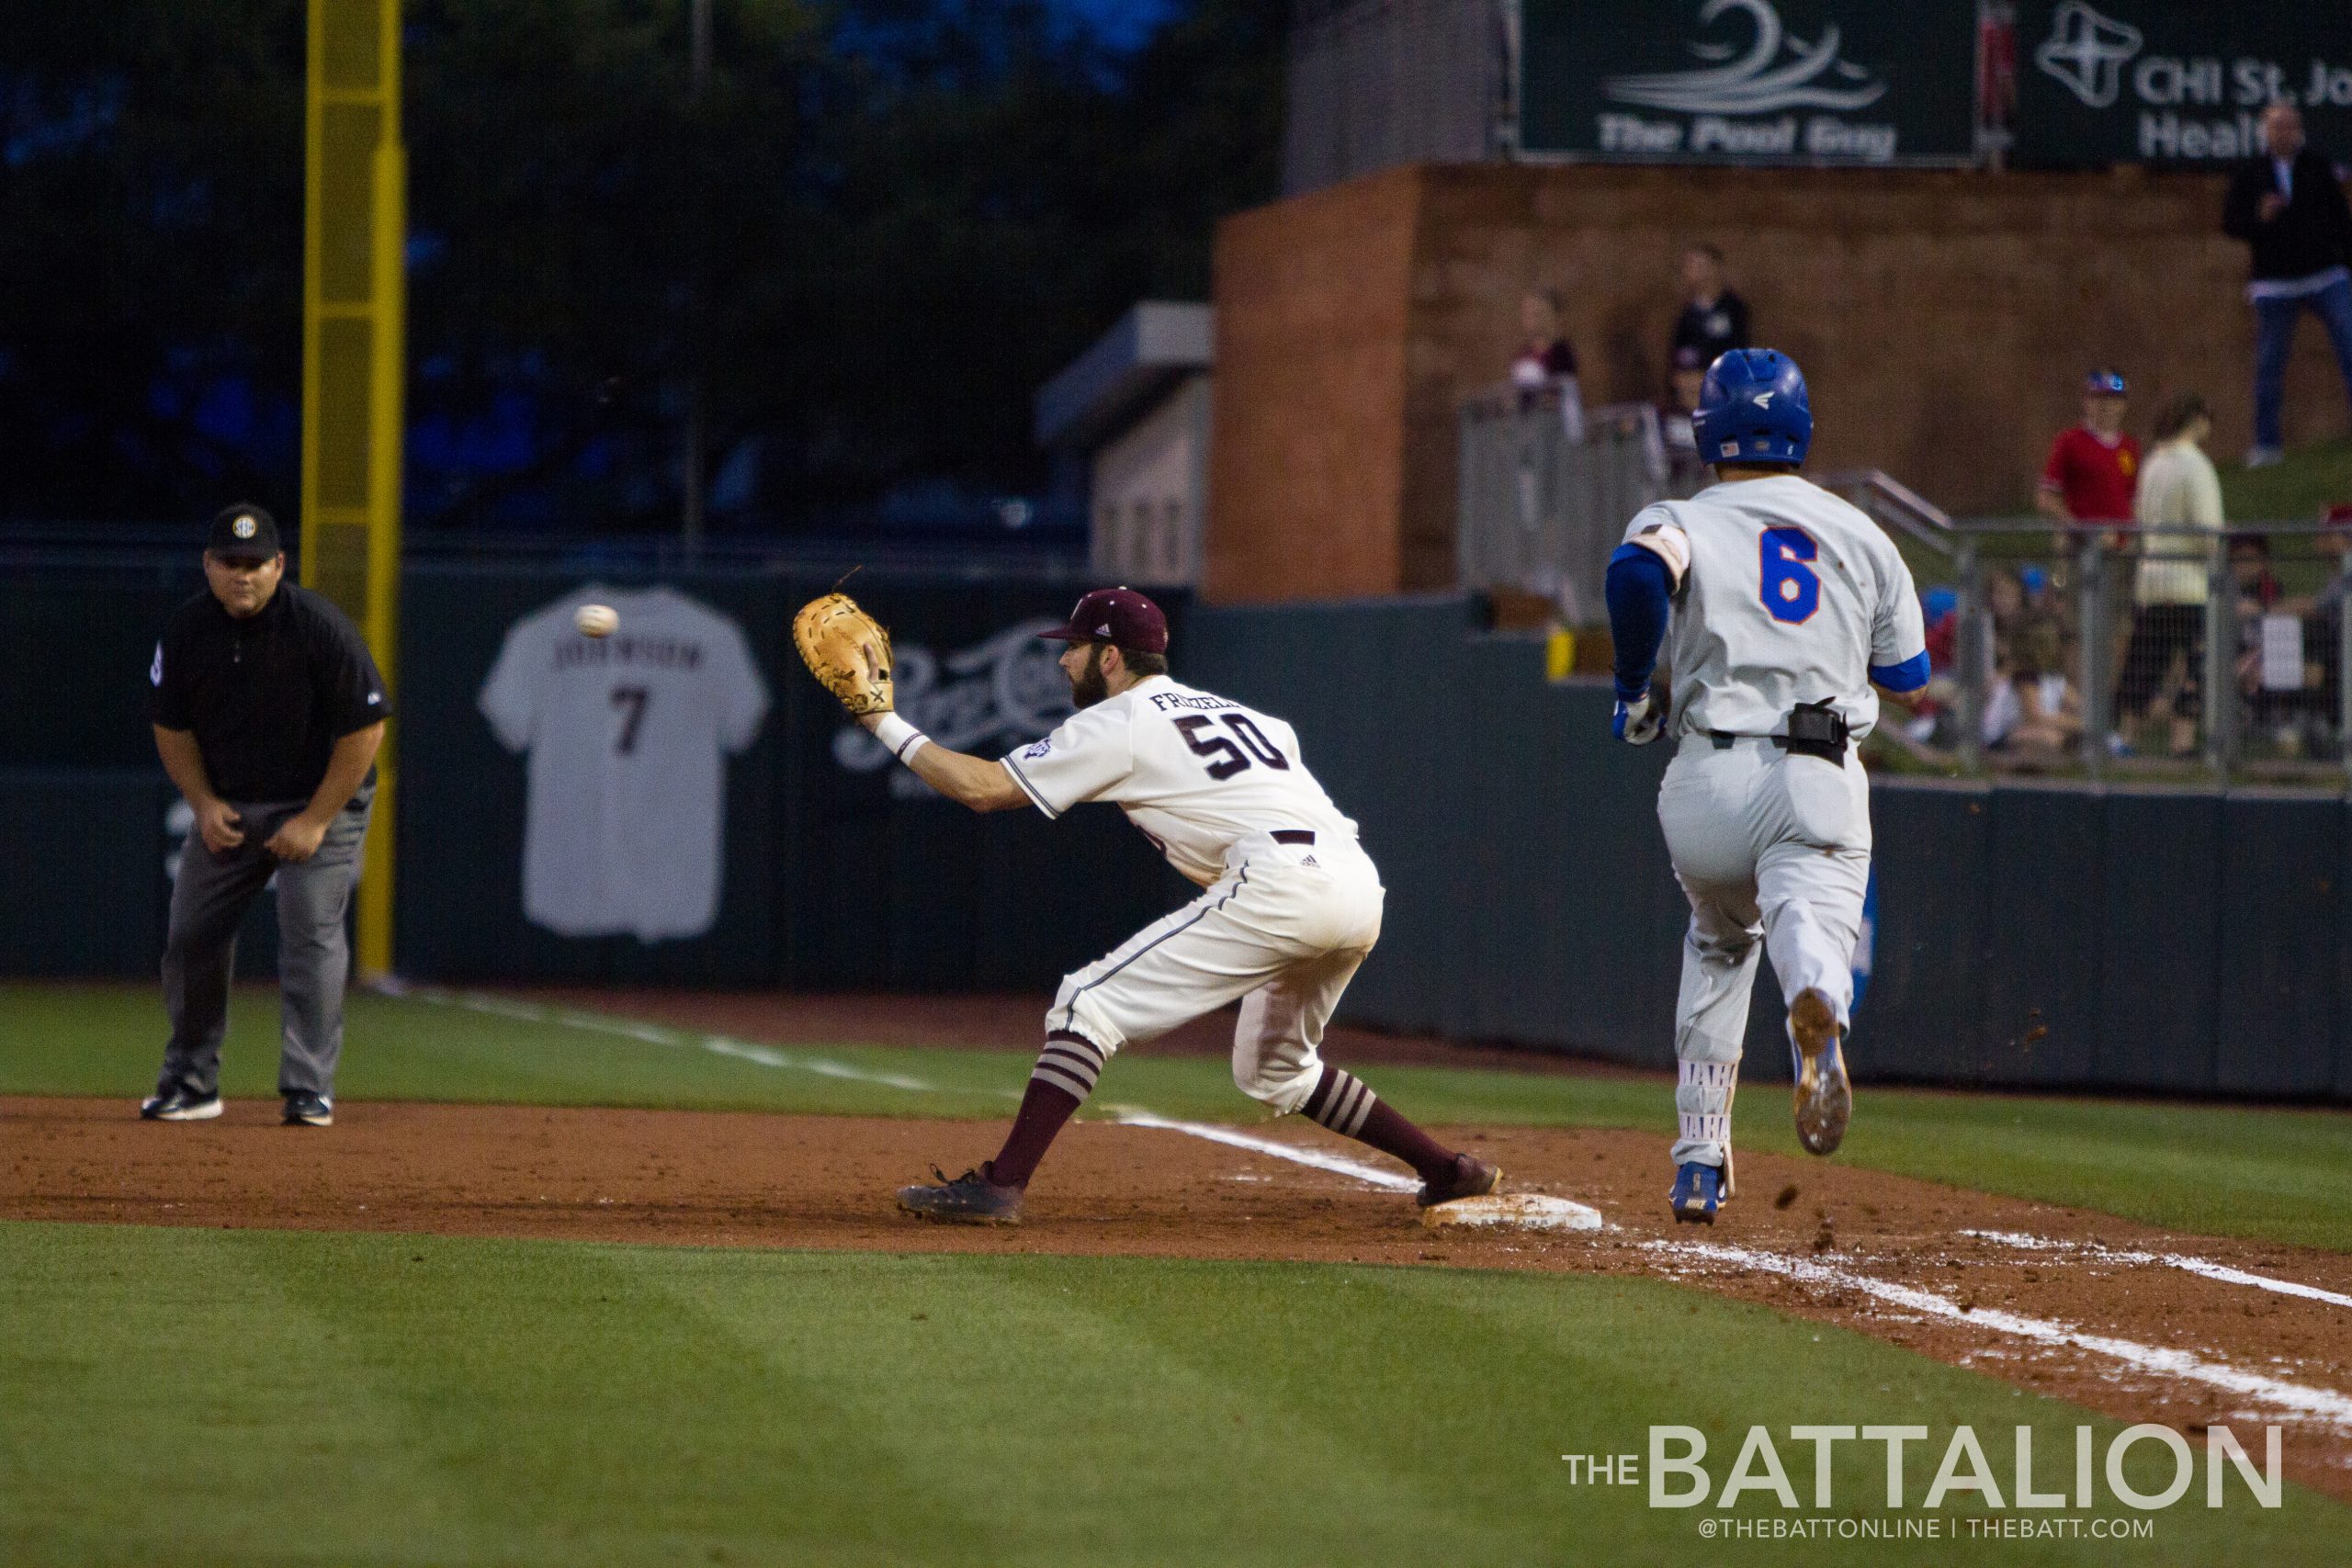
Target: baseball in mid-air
(596, 620)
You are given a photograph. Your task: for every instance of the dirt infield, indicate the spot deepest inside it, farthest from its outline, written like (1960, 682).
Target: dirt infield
(2114, 1315)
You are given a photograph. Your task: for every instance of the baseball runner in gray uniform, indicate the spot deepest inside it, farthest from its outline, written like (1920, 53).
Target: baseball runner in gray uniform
(268, 711)
(1778, 607)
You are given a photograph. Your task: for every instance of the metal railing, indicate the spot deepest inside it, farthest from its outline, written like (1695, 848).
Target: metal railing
(2156, 654)
(1547, 487)
(2130, 653)
(2125, 652)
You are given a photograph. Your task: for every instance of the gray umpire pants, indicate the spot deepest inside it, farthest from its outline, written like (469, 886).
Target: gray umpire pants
(209, 897)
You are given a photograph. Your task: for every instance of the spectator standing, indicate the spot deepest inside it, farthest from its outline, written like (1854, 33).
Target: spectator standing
(1714, 319)
(2094, 470)
(1545, 356)
(1545, 366)
(2179, 488)
(268, 711)
(1689, 470)
(2288, 208)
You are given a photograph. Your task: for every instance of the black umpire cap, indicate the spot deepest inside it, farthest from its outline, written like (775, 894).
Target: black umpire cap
(245, 532)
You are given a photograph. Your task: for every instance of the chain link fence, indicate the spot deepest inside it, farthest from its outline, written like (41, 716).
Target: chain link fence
(2160, 655)
(2149, 653)
(1373, 84)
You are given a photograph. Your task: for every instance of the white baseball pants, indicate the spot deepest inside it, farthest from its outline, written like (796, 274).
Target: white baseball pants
(1767, 847)
(1285, 930)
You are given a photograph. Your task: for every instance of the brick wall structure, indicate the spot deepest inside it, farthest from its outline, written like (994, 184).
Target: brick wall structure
(1943, 319)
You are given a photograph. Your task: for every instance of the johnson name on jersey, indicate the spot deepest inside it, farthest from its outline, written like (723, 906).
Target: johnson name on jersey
(1195, 771)
(628, 736)
(1782, 594)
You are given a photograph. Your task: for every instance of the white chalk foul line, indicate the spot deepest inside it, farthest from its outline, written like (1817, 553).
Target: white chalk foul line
(1339, 1165)
(2320, 1405)
(771, 1056)
(656, 1034)
(1531, 1211)
(2188, 1263)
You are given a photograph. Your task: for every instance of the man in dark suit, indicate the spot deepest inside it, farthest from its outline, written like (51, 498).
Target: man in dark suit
(2288, 208)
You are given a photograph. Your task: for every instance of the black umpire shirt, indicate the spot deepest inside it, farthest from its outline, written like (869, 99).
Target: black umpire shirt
(268, 696)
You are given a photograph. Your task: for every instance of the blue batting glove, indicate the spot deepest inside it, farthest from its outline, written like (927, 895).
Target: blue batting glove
(1639, 722)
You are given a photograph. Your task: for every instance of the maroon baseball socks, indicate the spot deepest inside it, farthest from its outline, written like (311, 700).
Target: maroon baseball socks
(1067, 1069)
(1346, 1104)
(1058, 1085)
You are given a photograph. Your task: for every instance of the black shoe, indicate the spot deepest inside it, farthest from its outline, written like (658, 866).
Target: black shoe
(179, 1103)
(309, 1110)
(970, 1199)
(1471, 1178)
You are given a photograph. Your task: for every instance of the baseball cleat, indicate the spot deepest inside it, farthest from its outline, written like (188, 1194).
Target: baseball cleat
(179, 1103)
(1471, 1178)
(970, 1199)
(309, 1110)
(1824, 1098)
(1698, 1193)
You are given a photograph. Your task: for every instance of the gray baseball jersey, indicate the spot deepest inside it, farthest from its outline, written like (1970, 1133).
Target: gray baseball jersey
(628, 736)
(1786, 595)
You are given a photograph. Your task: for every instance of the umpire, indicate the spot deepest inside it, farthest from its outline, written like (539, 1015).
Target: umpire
(268, 711)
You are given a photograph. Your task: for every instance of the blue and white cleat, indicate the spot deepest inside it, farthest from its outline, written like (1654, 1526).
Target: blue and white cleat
(1698, 1193)
(1817, 1052)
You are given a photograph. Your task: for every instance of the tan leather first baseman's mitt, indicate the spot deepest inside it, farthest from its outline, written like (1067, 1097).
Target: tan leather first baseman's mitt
(847, 651)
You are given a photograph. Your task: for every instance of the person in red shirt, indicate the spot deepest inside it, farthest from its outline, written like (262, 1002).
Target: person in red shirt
(2094, 468)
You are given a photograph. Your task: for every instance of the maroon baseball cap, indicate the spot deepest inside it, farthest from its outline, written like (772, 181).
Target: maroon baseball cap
(1120, 616)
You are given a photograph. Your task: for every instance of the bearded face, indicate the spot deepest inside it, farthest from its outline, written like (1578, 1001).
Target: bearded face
(1089, 686)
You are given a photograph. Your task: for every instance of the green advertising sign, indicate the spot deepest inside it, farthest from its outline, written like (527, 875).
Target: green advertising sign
(1750, 81)
(2176, 81)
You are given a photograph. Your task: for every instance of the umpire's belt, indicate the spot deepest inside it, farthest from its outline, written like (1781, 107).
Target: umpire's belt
(1816, 729)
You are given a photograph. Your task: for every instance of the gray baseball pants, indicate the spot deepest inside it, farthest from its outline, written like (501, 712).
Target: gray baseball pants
(1774, 854)
(210, 897)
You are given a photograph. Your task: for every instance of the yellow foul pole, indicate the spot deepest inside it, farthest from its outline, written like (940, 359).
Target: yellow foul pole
(355, 370)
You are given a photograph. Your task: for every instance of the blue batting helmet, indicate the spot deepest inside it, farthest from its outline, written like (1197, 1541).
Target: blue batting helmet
(1752, 409)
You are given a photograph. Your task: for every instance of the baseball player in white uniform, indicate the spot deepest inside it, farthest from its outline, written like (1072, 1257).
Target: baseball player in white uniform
(1290, 904)
(1778, 607)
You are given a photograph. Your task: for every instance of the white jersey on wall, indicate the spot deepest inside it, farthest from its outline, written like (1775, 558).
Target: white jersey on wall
(1791, 595)
(1196, 772)
(627, 738)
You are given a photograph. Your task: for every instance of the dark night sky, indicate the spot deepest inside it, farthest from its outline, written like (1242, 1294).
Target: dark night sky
(1121, 23)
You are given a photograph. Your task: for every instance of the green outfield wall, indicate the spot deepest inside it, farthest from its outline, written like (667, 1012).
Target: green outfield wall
(2039, 935)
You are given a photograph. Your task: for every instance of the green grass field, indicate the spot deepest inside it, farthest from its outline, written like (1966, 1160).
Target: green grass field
(263, 1397)
(2268, 1174)
(190, 1396)
(2312, 478)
